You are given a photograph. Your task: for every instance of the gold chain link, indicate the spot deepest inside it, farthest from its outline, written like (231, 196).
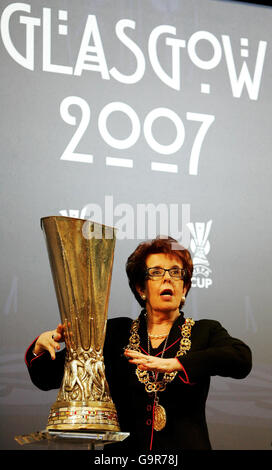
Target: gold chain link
(143, 375)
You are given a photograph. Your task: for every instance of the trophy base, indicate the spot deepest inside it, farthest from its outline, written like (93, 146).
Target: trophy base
(71, 440)
(83, 416)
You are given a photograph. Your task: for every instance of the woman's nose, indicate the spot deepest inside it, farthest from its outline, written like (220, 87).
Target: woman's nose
(167, 275)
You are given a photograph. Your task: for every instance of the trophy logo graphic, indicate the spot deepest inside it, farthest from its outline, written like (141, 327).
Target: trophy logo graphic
(200, 247)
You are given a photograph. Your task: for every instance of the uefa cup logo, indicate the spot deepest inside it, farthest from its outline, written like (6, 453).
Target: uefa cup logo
(200, 247)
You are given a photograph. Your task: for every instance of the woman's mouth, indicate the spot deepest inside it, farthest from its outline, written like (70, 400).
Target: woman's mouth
(166, 293)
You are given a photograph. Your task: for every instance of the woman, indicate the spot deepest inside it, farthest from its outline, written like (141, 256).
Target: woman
(158, 366)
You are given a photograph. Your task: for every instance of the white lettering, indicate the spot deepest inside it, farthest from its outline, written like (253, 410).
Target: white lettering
(192, 43)
(102, 125)
(168, 113)
(47, 65)
(201, 282)
(151, 211)
(174, 80)
(182, 237)
(140, 68)
(27, 61)
(206, 120)
(237, 83)
(125, 225)
(69, 152)
(91, 57)
(129, 218)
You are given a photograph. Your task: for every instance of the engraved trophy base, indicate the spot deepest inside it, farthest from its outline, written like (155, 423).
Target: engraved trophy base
(83, 416)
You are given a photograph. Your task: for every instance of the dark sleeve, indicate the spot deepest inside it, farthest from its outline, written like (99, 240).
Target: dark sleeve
(116, 365)
(44, 372)
(223, 355)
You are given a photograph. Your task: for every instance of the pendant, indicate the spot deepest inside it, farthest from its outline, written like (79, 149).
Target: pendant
(159, 417)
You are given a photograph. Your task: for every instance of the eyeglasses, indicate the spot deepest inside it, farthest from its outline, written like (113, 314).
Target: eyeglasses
(157, 273)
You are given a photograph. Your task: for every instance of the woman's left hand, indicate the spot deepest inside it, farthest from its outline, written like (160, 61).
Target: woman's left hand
(152, 363)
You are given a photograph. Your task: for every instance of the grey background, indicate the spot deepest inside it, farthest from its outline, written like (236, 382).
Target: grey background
(232, 188)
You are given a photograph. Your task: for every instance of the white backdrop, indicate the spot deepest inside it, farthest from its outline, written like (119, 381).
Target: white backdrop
(153, 117)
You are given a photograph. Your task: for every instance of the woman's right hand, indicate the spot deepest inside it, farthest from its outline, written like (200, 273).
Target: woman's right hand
(49, 341)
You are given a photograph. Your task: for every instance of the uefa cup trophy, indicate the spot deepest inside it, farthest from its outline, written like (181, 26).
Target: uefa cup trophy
(81, 266)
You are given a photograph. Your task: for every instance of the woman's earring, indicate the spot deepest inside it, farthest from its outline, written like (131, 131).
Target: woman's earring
(143, 296)
(183, 299)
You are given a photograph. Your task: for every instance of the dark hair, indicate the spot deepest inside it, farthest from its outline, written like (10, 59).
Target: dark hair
(136, 267)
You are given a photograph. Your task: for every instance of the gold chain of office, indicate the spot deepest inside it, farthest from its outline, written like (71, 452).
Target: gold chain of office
(143, 375)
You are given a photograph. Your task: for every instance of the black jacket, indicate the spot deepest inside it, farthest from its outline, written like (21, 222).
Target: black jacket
(213, 352)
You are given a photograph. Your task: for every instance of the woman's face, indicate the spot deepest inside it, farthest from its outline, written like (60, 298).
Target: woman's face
(163, 294)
